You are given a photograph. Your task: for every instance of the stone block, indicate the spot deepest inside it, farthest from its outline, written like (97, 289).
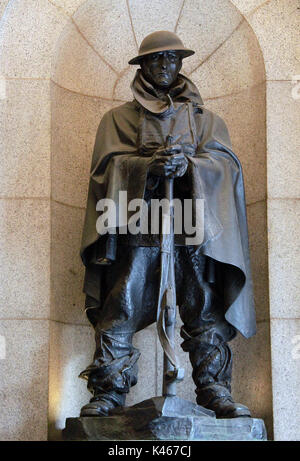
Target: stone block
(106, 25)
(283, 127)
(245, 6)
(148, 17)
(169, 418)
(203, 26)
(28, 38)
(24, 380)
(67, 270)
(284, 257)
(285, 337)
(258, 242)
(25, 139)
(245, 116)
(95, 77)
(25, 258)
(69, 6)
(75, 120)
(276, 25)
(236, 65)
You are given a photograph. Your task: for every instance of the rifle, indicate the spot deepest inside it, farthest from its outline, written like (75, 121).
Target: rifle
(166, 308)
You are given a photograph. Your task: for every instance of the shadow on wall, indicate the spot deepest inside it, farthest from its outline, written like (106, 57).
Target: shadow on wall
(90, 76)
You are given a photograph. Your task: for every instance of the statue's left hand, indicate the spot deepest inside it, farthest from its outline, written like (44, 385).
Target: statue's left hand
(169, 162)
(178, 166)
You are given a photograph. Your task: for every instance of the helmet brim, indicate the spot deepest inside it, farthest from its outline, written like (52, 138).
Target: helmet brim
(183, 52)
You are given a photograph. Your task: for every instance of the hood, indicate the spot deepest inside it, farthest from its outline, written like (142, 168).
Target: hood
(157, 102)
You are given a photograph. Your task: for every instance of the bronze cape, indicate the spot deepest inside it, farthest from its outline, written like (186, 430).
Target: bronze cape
(127, 137)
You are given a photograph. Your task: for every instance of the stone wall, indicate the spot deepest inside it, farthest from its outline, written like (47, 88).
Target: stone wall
(63, 64)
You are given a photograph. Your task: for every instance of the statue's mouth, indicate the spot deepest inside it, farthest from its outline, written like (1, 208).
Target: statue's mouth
(163, 74)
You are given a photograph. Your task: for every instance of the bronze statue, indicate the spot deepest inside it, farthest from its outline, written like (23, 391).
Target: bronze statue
(165, 136)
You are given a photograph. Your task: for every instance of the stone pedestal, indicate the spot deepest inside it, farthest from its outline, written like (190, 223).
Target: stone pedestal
(164, 418)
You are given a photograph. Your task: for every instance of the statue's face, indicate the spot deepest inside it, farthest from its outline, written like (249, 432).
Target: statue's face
(162, 68)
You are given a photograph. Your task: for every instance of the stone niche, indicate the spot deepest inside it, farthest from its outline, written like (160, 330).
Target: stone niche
(90, 75)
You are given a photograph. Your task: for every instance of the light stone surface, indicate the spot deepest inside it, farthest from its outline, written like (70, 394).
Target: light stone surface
(75, 120)
(204, 26)
(69, 6)
(25, 258)
(245, 6)
(285, 336)
(236, 65)
(276, 25)
(106, 25)
(245, 115)
(71, 351)
(284, 257)
(79, 68)
(258, 243)
(24, 380)
(146, 387)
(28, 38)
(67, 270)
(3, 5)
(25, 139)
(283, 130)
(148, 17)
(122, 89)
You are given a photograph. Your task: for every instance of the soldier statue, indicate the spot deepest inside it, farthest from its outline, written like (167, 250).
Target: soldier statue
(165, 132)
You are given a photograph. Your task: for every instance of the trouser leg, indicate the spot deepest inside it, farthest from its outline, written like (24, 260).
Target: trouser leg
(212, 369)
(114, 369)
(130, 287)
(212, 363)
(206, 334)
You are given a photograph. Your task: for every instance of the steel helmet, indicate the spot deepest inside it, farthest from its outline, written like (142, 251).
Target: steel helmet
(161, 40)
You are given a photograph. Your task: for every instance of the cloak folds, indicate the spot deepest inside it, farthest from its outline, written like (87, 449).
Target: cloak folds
(127, 137)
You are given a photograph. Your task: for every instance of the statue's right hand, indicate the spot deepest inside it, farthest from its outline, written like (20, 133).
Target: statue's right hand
(168, 162)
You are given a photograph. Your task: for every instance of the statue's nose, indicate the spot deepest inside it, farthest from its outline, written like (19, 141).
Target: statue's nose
(163, 61)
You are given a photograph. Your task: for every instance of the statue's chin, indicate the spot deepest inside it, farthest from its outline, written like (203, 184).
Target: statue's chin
(162, 85)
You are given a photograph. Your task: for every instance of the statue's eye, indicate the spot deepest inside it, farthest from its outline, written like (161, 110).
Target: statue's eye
(172, 57)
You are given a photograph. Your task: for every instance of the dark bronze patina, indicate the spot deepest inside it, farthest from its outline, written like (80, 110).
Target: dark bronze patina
(165, 142)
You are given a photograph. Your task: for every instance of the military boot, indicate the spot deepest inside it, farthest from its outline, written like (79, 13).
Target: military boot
(218, 398)
(102, 403)
(212, 369)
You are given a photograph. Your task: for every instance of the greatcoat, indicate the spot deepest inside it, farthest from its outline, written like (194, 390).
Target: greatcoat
(126, 139)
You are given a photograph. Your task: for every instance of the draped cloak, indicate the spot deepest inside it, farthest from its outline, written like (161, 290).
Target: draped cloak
(125, 142)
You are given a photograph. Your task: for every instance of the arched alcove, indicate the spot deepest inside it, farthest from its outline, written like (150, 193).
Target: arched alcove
(30, 39)
(89, 76)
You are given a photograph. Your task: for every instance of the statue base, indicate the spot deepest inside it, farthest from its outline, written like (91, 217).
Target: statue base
(163, 418)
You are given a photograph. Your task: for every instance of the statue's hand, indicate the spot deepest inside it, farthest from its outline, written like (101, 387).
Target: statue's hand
(169, 162)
